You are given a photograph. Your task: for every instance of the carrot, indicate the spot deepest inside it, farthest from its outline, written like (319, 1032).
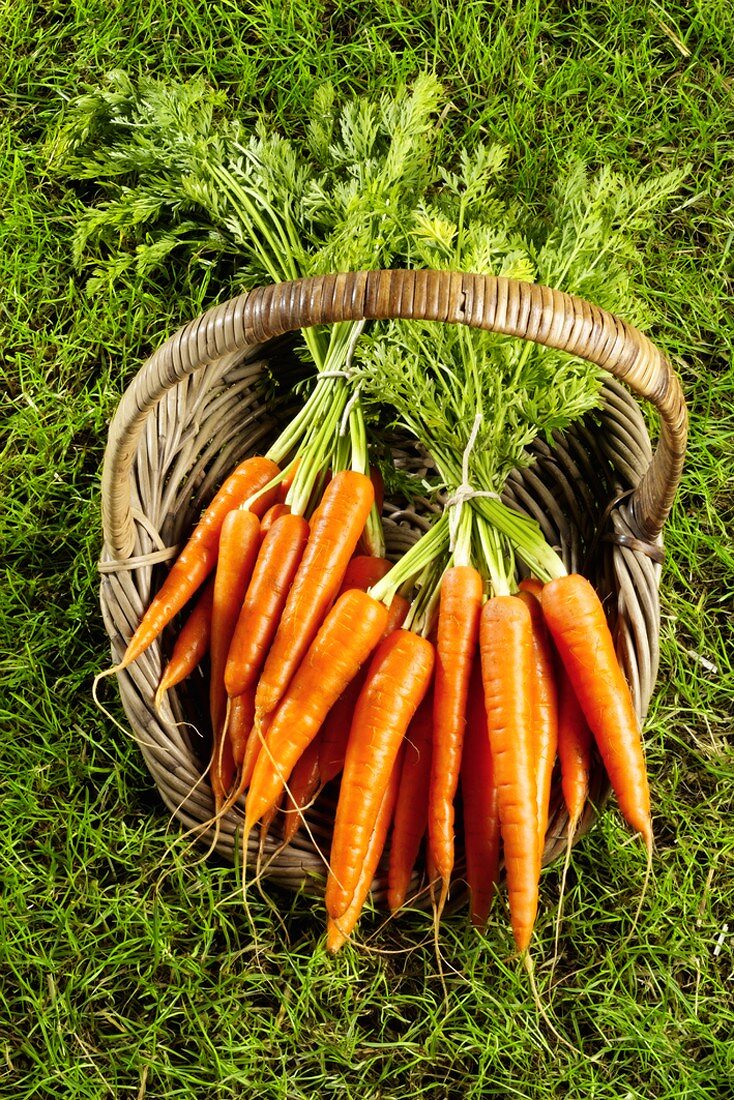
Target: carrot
(363, 571)
(199, 556)
(304, 783)
(191, 645)
(238, 547)
(531, 585)
(579, 628)
(335, 529)
(345, 640)
(337, 932)
(334, 734)
(279, 557)
(505, 636)
(481, 806)
(398, 679)
(461, 596)
(545, 712)
(411, 810)
(574, 751)
(270, 517)
(240, 719)
(397, 613)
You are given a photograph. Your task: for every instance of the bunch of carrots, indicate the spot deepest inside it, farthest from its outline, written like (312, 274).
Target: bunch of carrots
(409, 681)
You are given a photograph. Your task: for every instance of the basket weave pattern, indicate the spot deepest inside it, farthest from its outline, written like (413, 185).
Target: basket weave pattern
(195, 409)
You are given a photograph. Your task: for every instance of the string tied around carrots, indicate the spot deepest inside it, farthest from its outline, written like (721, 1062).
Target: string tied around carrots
(465, 491)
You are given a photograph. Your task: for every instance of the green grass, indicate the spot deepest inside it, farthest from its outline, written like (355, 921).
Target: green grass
(118, 981)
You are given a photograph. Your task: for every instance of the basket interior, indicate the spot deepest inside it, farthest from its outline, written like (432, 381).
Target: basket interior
(226, 411)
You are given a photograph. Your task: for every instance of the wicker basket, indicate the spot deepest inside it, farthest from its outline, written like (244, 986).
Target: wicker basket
(194, 410)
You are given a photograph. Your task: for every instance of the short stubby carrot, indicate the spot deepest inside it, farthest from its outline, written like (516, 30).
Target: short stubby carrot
(398, 678)
(335, 529)
(338, 932)
(575, 741)
(462, 591)
(199, 556)
(345, 640)
(279, 557)
(480, 800)
(238, 548)
(581, 634)
(191, 645)
(545, 712)
(411, 808)
(505, 639)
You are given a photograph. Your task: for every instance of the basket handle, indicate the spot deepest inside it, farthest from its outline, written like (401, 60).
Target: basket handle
(508, 306)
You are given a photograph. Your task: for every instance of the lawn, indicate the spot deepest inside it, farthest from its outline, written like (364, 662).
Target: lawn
(127, 970)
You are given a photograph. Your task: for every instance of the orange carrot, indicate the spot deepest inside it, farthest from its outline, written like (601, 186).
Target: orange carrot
(398, 679)
(334, 734)
(574, 751)
(191, 645)
(545, 712)
(337, 932)
(199, 556)
(481, 806)
(505, 635)
(531, 585)
(303, 784)
(462, 591)
(345, 640)
(411, 810)
(279, 557)
(238, 547)
(363, 571)
(240, 720)
(335, 529)
(579, 628)
(270, 517)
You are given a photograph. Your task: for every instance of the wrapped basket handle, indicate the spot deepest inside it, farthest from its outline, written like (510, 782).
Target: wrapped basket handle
(509, 306)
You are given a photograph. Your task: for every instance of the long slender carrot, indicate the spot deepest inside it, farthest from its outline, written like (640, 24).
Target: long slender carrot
(362, 572)
(302, 786)
(574, 751)
(480, 801)
(238, 547)
(335, 529)
(240, 719)
(345, 640)
(505, 635)
(411, 810)
(462, 591)
(199, 556)
(191, 645)
(398, 679)
(280, 555)
(579, 628)
(338, 932)
(545, 712)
